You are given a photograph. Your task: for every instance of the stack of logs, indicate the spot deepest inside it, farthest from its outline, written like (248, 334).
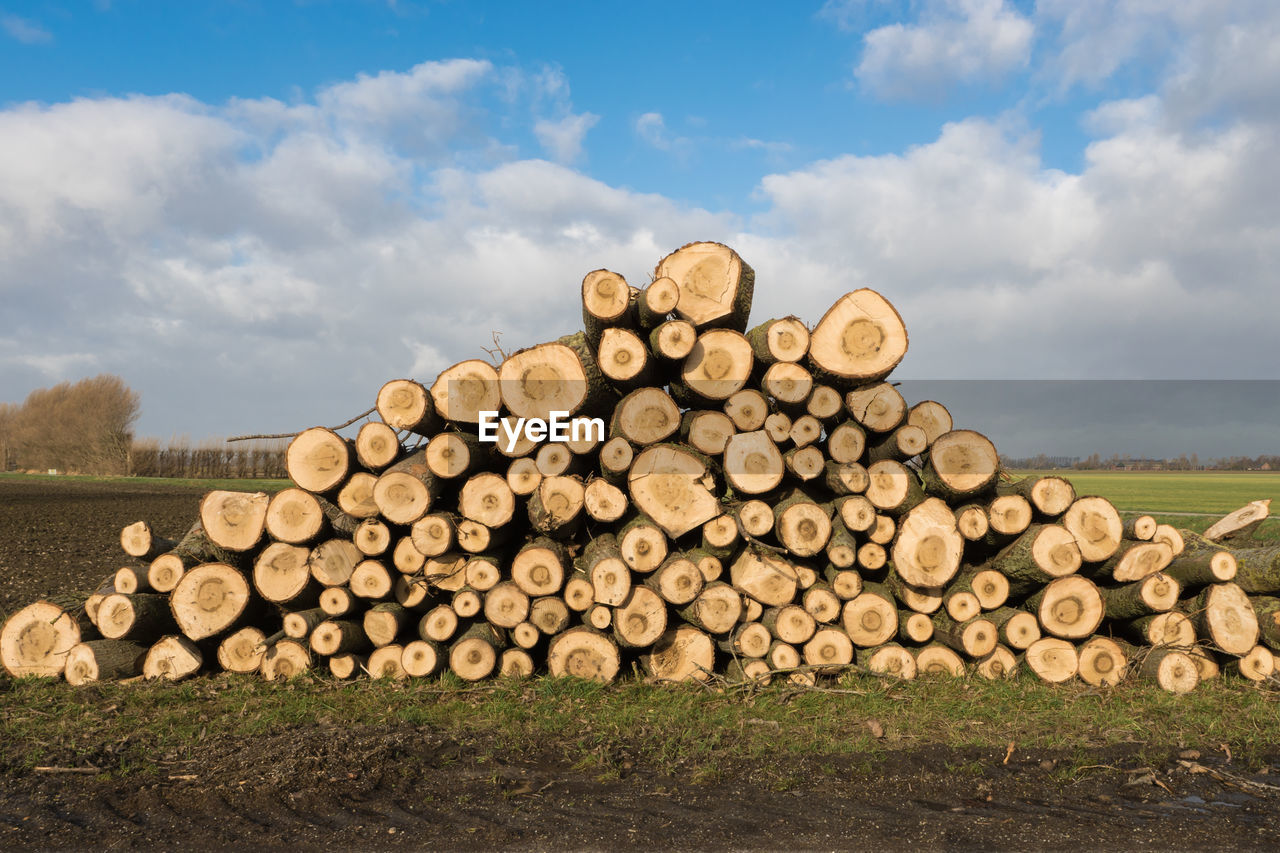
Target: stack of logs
(764, 505)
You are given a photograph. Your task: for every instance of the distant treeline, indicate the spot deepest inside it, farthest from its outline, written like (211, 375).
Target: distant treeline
(86, 427)
(1116, 462)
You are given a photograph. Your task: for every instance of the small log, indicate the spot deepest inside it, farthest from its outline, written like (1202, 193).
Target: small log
(916, 627)
(386, 621)
(802, 526)
(871, 619)
(556, 508)
(1173, 670)
(1223, 615)
(338, 601)
(1140, 528)
(681, 654)
(103, 660)
(295, 517)
(845, 478)
(1050, 496)
(928, 547)
(1155, 593)
(464, 390)
(1016, 629)
(1000, 664)
(1202, 567)
(406, 405)
(299, 624)
(932, 417)
(1052, 659)
(961, 463)
(921, 599)
(673, 340)
(805, 463)
(488, 499)
(860, 339)
(974, 637)
(599, 616)
(506, 605)
(671, 485)
(285, 660)
(1258, 570)
(1240, 523)
(790, 623)
(137, 540)
(1102, 662)
(1256, 665)
(319, 460)
(1267, 609)
(715, 285)
(515, 663)
(893, 488)
(857, 513)
(1041, 554)
(538, 568)
(355, 501)
(131, 579)
(990, 587)
(376, 445)
(764, 576)
(579, 594)
(787, 384)
(720, 536)
(640, 619)
(209, 600)
(583, 653)
(829, 649)
(474, 655)
(718, 366)
(1069, 607)
(550, 614)
(604, 501)
(747, 409)
(1135, 561)
(616, 456)
(972, 522)
(785, 340)
(466, 602)
(706, 431)
(960, 604)
(439, 624)
(332, 562)
(900, 445)
(716, 610)
(890, 659)
(937, 660)
(845, 583)
(338, 637)
(242, 651)
(434, 534)
(407, 559)
(805, 430)
(1008, 516)
(371, 580)
(842, 547)
(1160, 629)
(422, 658)
(753, 465)
(137, 618)
(449, 455)
(601, 562)
(606, 301)
(677, 581)
(387, 662)
(749, 639)
(405, 492)
(657, 301)
(1096, 526)
(172, 658)
(645, 416)
(344, 667)
(878, 407)
(372, 537)
(523, 476)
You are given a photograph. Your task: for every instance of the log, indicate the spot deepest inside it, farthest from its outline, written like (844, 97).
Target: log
(601, 562)
(860, 339)
(989, 587)
(1240, 523)
(720, 537)
(1256, 665)
(916, 627)
(210, 600)
(386, 621)
(681, 654)
(936, 659)
(1001, 663)
(386, 662)
(829, 651)
(961, 463)
(583, 653)
(749, 640)
(1173, 670)
(137, 618)
(1136, 561)
(549, 614)
(677, 581)
(718, 366)
(555, 377)
(747, 409)
(371, 580)
(1223, 615)
(657, 301)
(845, 478)
(556, 508)
(515, 663)
(974, 637)
(405, 492)
(1069, 607)
(295, 517)
(842, 548)
(1267, 609)
(932, 417)
(928, 547)
(1052, 659)
(103, 660)
(1160, 629)
(802, 526)
(1008, 516)
(645, 416)
(298, 624)
(319, 460)
(1102, 662)
(779, 341)
(922, 599)
(778, 426)
(1258, 570)
(173, 658)
(871, 619)
(1050, 496)
(407, 559)
(872, 556)
(893, 488)
(473, 656)
(960, 605)
(599, 616)
(579, 593)
(538, 568)
(451, 454)
(805, 430)
(137, 540)
(355, 500)
(716, 610)
(1155, 593)
(878, 407)
(464, 390)
(753, 465)
(706, 431)
(439, 624)
(764, 576)
(344, 667)
(1202, 567)
(1016, 629)
(640, 619)
(405, 405)
(506, 605)
(846, 584)
(672, 486)
(1169, 535)
(804, 463)
(1041, 554)
(338, 600)
(523, 475)
(715, 285)
(857, 513)
(376, 445)
(487, 499)
(130, 579)
(372, 537)
(338, 637)
(606, 301)
(782, 656)
(422, 658)
(1140, 528)
(890, 659)
(789, 623)
(673, 340)
(482, 572)
(242, 651)
(900, 445)
(972, 522)
(434, 534)
(787, 384)
(466, 602)
(332, 562)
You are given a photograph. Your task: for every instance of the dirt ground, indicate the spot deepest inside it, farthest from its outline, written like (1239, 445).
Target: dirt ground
(400, 785)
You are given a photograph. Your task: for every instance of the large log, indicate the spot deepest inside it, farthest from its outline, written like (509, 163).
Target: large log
(583, 653)
(319, 460)
(37, 639)
(210, 600)
(928, 546)
(556, 377)
(1223, 615)
(715, 285)
(464, 390)
(860, 339)
(717, 367)
(961, 463)
(405, 491)
(1240, 523)
(672, 486)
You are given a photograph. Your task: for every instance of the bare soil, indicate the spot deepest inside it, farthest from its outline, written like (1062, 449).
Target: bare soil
(400, 785)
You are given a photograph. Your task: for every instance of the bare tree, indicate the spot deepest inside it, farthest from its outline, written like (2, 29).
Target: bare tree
(86, 426)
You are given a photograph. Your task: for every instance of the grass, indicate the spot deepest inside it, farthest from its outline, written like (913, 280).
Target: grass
(686, 731)
(246, 485)
(1214, 493)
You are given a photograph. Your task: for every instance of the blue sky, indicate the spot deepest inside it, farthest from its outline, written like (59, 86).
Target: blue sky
(350, 192)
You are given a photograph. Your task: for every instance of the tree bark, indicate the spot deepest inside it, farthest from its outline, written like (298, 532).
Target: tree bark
(103, 660)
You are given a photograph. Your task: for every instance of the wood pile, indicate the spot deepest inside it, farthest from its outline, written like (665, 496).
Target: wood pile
(749, 502)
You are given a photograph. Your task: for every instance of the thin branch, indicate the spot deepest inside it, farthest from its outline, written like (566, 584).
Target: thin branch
(364, 414)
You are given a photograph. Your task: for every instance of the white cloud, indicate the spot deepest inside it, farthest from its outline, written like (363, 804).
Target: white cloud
(652, 128)
(563, 139)
(25, 30)
(955, 41)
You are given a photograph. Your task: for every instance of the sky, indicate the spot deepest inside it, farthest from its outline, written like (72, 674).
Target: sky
(258, 212)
